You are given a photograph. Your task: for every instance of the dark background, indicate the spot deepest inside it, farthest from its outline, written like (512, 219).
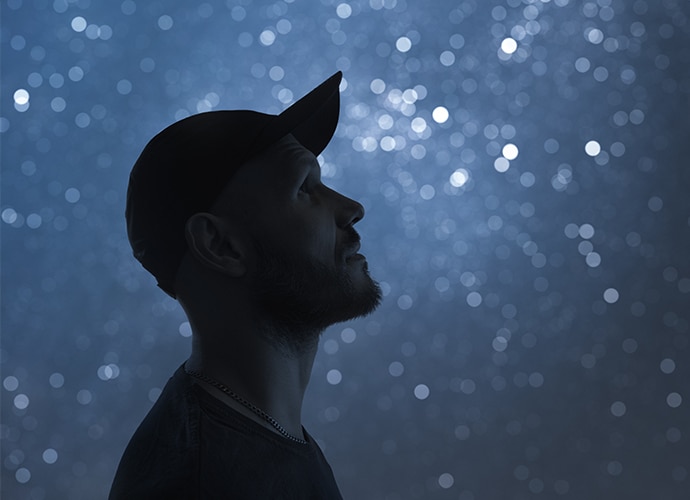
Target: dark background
(533, 340)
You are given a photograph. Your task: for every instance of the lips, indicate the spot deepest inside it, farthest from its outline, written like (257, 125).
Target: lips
(351, 250)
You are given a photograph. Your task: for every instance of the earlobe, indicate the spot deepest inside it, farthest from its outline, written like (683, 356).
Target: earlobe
(212, 244)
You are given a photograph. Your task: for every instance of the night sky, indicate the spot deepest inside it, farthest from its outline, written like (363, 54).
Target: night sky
(525, 169)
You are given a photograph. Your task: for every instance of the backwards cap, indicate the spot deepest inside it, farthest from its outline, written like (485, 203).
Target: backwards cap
(184, 168)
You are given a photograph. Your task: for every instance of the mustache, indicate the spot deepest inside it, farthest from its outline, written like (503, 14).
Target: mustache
(350, 243)
(352, 237)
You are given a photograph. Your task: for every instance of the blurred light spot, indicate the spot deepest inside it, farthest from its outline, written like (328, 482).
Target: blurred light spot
(521, 472)
(21, 401)
(334, 377)
(447, 58)
(594, 35)
(510, 151)
(536, 379)
(404, 302)
(421, 391)
(655, 204)
(418, 125)
(56, 80)
(331, 414)
(9, 216)
(459, 177)
(56, 380)
(508, 45)
(154, 394)
(499, 344)
(600, 74)
(474, 299)
(78, 24)
(124, 87)
(377, 86)
(611, 295)
(396, 368)
(614, 468)
(165, 22)
(17, 42)
(185, 329)
(267, 37)
(462, 432)
(21, 97)
(440, 114)
(72, 195)
(628, 75)
(276, 73)
(82, 120)
(592, 148)
(34, 221)
(50, 456)
(629, 346)
(128, 7)
(667, 366)
(348, 335)
(593, 259)
(10, 383)
(403, 44)
(245, 39)
(58, 104)
(427, 192)
(582, 64)
(501, 164)
(527, 179)
(84, 397)
(446, 480)
(636, 116)
(442, 284)
(343, 10)
(586, 231)
(283, 26)
(147, 65)
(618, 409)
(674, 400)
(588, 360)
(22, 475)
(330, 346)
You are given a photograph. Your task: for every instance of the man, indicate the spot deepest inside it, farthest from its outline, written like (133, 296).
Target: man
(227, 210)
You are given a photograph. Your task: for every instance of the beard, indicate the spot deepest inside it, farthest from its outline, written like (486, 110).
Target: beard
(299, 298)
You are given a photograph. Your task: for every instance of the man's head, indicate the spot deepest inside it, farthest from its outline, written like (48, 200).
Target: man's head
(287, 243)
(183, 169)
(272, 228)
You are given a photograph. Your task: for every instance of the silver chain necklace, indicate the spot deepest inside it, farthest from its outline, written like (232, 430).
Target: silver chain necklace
(254, 409)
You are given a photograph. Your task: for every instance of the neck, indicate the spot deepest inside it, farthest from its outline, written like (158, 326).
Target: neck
(258, 370)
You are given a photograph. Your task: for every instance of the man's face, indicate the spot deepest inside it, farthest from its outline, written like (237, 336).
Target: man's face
(307, 271)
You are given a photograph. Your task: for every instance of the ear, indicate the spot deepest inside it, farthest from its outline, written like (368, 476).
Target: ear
(211, 242)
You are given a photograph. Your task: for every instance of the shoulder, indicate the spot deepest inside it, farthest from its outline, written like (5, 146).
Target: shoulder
(162, 455)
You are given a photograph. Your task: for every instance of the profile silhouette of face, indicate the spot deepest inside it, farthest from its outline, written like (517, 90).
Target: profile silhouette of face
(308, 272)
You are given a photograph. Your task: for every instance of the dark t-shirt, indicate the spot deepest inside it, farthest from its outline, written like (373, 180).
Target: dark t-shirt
(192, 446)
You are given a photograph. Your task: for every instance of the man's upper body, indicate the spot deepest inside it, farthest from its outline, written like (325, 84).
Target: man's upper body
(227, 210)
(191, 445)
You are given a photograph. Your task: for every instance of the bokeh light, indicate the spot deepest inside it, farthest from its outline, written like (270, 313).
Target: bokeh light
(523, 166)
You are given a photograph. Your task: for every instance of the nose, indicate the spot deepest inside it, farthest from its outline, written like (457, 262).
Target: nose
(349, 212)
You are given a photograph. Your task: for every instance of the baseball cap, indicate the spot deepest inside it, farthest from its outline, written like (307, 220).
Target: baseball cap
(185, 167)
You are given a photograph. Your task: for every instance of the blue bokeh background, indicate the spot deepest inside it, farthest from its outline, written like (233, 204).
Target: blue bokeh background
(524, 167)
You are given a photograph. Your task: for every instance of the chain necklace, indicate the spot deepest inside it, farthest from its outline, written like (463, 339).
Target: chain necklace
(254, 409)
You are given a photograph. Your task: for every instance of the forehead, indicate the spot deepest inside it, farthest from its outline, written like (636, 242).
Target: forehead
(269, 173)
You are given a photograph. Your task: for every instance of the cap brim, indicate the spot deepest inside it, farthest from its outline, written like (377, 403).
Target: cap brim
(312, 119)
